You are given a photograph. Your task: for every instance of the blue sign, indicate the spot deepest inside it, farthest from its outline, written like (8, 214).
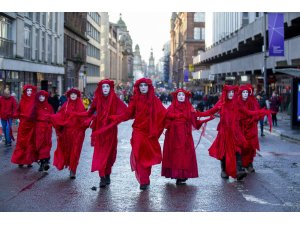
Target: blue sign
(186, 75)
(298, 108)
(276, 34)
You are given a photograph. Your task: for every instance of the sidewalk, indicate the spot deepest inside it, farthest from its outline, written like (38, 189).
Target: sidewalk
(284, 128)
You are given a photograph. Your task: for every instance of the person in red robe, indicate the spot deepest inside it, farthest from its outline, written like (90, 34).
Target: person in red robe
(8, 107)
(248, 125)
(105, 104)
(25, 151)
(179, 156)
(70, 132)
(41, 114)
(149, 115)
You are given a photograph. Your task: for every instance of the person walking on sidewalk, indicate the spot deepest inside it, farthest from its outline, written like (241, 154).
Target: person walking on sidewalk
(41, 114)
(8, 107)
(25, 151)
(179, 156)
(70, 133)
(105, 103)
(262, 104)
(149, 115)
(274, 106)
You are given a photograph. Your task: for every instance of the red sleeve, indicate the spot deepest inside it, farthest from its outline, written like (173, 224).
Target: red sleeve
(129, 112)
(211, 111)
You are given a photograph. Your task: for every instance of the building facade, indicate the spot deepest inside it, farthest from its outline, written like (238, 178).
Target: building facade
(137, 64)
(31, 50)
(187, 39)
(93, 60)
(75, 46)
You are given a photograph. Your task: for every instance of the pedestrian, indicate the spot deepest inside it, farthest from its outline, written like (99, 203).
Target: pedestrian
(274, 106)
(70, 132)
(8, 107)
(179, 156)
(225, 146)
(248, 125)
(54, 101)
(262, 104)
(25, 151)
(149, 115)
(62, 100)
(41, 114)
(105, 103)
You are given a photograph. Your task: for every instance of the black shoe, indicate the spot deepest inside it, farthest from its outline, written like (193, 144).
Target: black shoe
(241, 174)
(102, 182)
(46, 164)
(240, 171)
(29, 166)
(224, 175)
(107, 178)
(20, 165)
(72, 175)
(144, 186)
(262, 135)
(180, 181)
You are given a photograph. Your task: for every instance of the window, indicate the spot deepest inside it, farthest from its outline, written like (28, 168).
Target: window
(245, 19)
(44, 19)
(93, 32)
(199, 33)
(37, 44)
(49, 23)
(92, 51)
(29, 15)
(56, 22)
(49, 48)
(43, 46)
(199, 17)
(93, 70)
(6, 44)
(55, 50)
(95, 16)
(37, 17)
(27, 42)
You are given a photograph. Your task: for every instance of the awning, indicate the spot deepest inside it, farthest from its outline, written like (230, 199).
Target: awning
(290, 71)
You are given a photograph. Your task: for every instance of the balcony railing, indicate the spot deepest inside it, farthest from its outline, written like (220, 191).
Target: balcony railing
(6, 48)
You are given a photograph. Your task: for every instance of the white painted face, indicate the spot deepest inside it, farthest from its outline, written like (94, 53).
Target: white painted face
(73, 96)
(245, 95)
(230, 94)
(42, 98)
(181, 96)
(29, 92)
(143, 88)
(105, 89)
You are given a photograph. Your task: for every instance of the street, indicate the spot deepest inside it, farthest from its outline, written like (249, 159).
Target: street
(273, 188)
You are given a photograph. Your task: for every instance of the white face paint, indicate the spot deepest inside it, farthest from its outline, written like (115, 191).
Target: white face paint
(29, 91)
(230, 94)
(143, 88)
(181, 96)
(245, 95)
(42, 98)
(105, 89)
(73, 96)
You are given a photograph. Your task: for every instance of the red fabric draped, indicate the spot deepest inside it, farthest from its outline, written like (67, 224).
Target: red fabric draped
(70, 131)
(179, 156)
(225, 144)
(43, 128)
(25, 151)
(149, 115)
(105, 144)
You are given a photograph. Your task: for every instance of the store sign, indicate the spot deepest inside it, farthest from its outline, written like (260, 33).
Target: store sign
(276, 34)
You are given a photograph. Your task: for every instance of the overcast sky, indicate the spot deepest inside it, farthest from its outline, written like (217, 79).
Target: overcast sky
(147, 29)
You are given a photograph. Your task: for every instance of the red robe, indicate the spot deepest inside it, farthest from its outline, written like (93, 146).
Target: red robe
(105, 144)
(25, 151)
(70, 132)
(179, 156)
(149, 115)
(43, 128)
